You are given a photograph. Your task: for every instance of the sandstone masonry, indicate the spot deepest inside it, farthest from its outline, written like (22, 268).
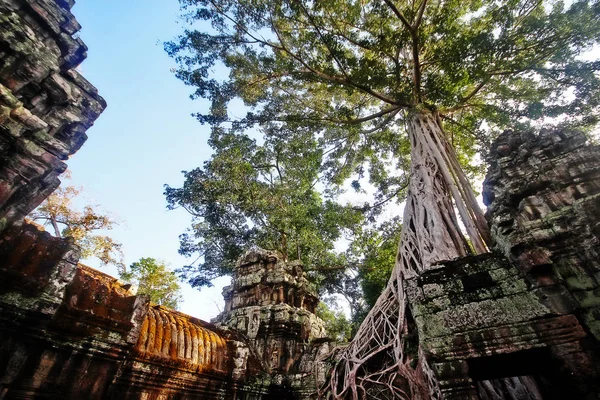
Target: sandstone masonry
(522, 321)
(518, 323)
(45, 104)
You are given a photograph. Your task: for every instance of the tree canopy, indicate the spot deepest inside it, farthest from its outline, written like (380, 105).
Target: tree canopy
(349, 70)
(83, 224)
(265, 195)
(345, 78)
(152, 278)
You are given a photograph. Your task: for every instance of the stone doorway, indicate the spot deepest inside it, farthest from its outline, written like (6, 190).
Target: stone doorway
(511, 388)
(523, 375)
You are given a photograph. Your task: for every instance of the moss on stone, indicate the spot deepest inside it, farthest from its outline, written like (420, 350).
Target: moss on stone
(588, 298)
(592, 321)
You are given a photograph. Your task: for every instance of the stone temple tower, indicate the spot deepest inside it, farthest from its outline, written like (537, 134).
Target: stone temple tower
(271, 302)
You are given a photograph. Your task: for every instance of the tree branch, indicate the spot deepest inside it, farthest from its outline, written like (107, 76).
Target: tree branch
(413, 30)
(419, 18)
(400, 16)
(382, 202)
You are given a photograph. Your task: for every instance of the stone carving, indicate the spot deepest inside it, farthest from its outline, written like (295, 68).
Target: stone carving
(543, 196)
(173, 336)
(69, 329)
(271, 302)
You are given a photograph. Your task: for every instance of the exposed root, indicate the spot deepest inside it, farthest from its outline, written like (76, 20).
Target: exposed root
(384, 360)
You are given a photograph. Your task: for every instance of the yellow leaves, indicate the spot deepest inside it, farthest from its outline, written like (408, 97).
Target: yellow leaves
(62, 211)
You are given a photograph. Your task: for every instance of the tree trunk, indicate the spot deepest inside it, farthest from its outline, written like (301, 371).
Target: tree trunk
(430, 230)
(284, 246)
(55, 226)
(376, 365)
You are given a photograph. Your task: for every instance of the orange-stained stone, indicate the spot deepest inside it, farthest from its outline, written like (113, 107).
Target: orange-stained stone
(176, 337)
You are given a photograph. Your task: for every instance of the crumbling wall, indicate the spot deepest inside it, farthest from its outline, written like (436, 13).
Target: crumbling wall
(520, 322)
(68, 331)
(543, 197)
(63, 328)
(271, 304)
(45, 104)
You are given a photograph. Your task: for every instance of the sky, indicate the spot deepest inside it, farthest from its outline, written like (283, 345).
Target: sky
(145, 137)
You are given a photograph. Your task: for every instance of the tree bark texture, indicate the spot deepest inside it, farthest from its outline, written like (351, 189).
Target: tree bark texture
(381, 361)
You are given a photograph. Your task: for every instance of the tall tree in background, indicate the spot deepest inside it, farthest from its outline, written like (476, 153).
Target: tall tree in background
(264, 195)
(337, 326)
(152, 278)
(83, 224)
(375, 82)
(374, 250)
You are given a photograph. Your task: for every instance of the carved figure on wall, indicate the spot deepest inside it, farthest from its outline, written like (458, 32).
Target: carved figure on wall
(254, 325)
(274, 363)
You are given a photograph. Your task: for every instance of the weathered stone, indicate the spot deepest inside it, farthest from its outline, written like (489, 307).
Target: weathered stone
(45, 104)
(522, 322)
(68, 330)
(270, 302)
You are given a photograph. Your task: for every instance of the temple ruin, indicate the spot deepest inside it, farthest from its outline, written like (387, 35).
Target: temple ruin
(521, 322)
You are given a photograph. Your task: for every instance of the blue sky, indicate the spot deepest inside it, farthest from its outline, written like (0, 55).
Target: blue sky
(146, 136)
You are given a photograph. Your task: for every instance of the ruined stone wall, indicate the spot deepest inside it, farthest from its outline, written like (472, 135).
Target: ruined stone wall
(521, 322)
(45, 104)
(68, 331)
(179, 356)
(271, 304)
(52, 342)
(543, 197)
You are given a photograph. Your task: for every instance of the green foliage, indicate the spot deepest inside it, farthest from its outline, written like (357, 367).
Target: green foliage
(375, 250)
(249, 194)
(154, 279)
(348, 71)
(337, 325)
(82, 225)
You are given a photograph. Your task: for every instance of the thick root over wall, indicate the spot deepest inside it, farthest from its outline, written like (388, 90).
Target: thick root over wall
(384, 360)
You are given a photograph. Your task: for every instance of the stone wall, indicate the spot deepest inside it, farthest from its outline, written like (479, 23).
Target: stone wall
(45, 104)
(521, 322)
(271, 304)
(51, 342)
(543, 197)
(68, 331)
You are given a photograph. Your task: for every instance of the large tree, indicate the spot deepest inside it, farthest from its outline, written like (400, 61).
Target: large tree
(377, 82)
(154, 279)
